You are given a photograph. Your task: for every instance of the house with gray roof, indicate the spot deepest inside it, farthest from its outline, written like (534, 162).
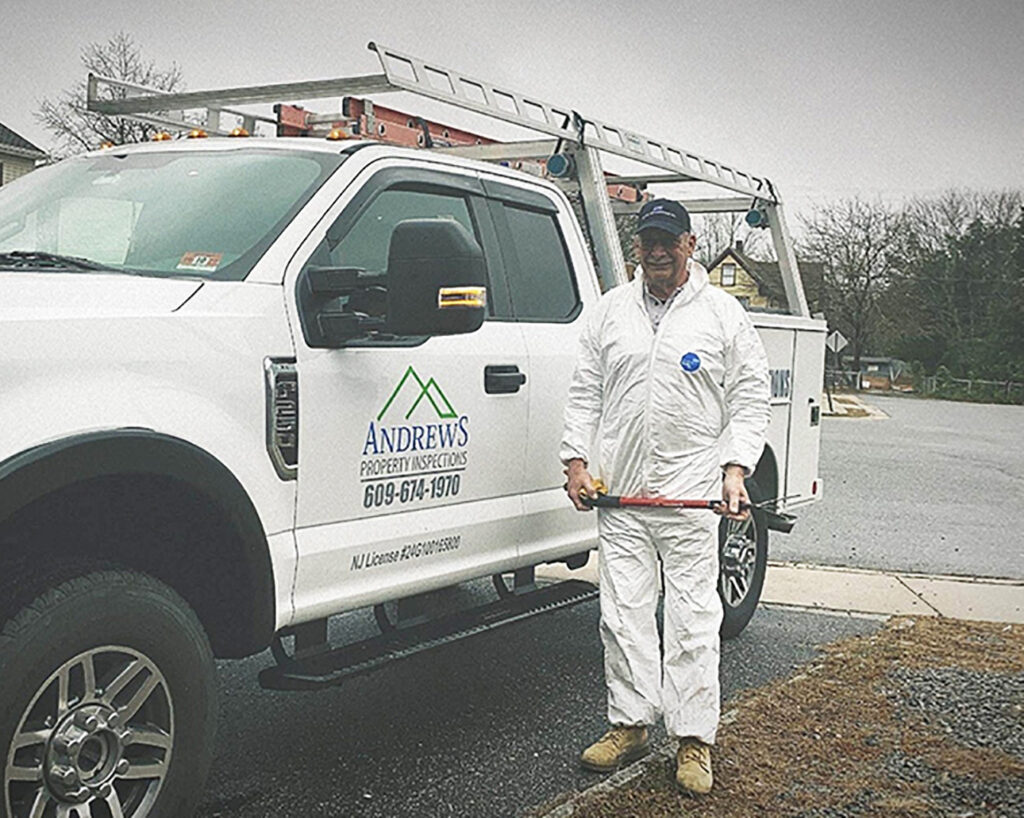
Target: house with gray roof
(17, 155)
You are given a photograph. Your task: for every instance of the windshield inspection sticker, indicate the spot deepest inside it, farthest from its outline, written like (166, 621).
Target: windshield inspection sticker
(204, 262)
(690, 362)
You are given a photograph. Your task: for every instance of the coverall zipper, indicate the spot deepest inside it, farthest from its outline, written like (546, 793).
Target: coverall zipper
(655, 337)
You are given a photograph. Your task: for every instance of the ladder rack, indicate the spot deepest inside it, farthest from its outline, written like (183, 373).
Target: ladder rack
(432, 80)
(403, 72)
(582, 138)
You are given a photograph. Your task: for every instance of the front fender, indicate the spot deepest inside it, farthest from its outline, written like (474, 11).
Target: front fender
(49, 468)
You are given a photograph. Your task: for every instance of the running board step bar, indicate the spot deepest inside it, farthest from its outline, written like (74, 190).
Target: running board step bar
(333, 667)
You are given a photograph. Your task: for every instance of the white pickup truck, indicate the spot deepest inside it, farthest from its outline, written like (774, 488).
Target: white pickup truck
(253, 383)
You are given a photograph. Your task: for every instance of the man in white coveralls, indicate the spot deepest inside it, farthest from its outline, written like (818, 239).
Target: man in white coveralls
(673, 374)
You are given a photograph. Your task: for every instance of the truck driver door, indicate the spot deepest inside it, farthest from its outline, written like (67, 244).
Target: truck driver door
(411, 450)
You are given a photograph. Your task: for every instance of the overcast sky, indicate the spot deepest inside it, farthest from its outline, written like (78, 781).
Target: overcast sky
(885, 98)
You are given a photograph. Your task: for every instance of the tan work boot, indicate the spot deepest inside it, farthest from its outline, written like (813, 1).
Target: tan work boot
(693, 766)
(617, 747)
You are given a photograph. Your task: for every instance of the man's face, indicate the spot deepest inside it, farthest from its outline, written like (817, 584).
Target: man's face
(664, 255)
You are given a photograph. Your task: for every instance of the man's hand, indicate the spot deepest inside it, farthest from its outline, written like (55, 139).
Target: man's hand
(734, 493)
(579, 482)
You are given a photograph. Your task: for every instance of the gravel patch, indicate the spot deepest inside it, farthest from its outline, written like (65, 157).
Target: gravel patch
(977, 709)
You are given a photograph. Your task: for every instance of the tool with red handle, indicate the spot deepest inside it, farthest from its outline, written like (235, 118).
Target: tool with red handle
(775, 520)
(618, 501)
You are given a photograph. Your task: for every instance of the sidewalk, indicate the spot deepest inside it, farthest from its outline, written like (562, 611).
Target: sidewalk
(857, 590)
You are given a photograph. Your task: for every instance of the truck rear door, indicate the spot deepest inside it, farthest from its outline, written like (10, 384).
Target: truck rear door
(550, 280)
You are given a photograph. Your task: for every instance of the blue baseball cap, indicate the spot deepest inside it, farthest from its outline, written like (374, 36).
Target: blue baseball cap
(664, 214)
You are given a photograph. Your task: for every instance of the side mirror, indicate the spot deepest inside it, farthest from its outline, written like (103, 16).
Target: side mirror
(339, 304)
(436, 279)
(435, 284)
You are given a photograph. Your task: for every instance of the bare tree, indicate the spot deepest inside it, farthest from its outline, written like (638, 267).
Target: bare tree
(719, 231)
(859, 243)
(715, 233)
(78, 129)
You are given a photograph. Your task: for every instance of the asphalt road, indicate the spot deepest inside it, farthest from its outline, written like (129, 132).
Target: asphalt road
(936, 488)
(487, 728)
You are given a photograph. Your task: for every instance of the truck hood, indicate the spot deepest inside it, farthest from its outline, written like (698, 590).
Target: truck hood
(68, 295)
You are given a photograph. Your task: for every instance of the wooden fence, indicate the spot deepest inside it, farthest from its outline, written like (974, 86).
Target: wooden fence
(976, 389)
(931, 384)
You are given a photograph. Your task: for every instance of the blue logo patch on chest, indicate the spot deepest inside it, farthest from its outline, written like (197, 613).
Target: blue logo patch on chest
(690, 362)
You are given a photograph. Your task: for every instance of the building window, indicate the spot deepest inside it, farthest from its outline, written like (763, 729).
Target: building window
(1, 173)
(728, 275)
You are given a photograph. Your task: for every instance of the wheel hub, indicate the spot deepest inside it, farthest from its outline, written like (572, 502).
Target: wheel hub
(85, 753)
(738, 556)
(738, 561)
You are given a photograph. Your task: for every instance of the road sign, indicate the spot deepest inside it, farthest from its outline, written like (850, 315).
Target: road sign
(835, 341)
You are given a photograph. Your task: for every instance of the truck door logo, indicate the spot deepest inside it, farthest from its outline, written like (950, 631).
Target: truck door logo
(429, 390)
(406, 458)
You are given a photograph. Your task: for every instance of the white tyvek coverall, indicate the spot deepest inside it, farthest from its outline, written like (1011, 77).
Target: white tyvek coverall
(665, 430)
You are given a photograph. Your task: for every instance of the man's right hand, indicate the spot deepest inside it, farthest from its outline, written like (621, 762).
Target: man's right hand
(579, 482)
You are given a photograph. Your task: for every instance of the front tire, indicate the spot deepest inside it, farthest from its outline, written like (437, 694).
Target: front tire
(743, 560)
(107, 698)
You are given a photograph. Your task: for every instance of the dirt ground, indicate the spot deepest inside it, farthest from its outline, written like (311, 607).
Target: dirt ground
(924, 717)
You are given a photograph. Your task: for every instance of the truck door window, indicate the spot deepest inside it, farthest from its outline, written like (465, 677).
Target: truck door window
(540, 277)
(361, 238)
(366, 244)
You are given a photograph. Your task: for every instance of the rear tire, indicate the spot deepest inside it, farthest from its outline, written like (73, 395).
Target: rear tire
(743, 559)
(107, 697)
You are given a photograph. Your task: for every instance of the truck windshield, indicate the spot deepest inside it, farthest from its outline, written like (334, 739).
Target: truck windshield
(208, 213)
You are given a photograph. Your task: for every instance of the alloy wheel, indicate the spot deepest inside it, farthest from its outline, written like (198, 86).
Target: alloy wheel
(94, 742)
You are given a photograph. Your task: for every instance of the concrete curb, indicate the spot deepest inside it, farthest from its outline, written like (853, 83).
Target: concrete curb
(849, 590)
(849, 405)
(659, 754)
(852, 569)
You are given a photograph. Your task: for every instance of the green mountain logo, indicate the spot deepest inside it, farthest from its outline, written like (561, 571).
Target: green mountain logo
(429, 390)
